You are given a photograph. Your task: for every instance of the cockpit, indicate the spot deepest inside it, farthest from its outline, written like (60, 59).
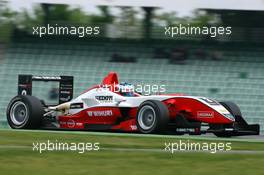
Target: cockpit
(127, 90)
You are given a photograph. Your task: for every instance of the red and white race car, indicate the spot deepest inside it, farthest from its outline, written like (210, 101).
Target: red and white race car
(105, 108)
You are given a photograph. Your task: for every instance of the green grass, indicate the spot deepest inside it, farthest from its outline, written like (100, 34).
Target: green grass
(23, 160)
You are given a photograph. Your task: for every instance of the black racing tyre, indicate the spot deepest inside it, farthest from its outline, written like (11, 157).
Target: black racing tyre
(232, 108)
(152, 117)
(235, 111)
(24, 112)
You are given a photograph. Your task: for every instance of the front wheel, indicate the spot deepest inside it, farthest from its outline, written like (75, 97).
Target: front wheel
(24, 112)
(235, 111)
(152, 117)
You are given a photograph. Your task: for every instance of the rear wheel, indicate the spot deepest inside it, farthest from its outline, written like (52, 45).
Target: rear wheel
(152, 117)
(24, 112)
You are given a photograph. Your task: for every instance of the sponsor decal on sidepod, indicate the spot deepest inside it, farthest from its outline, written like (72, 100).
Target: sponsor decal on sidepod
(205, 114)
(104, 113)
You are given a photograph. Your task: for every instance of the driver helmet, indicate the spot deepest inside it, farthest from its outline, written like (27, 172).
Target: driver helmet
(126, 89)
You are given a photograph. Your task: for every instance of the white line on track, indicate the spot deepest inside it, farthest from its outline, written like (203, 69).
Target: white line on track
(186, 151)
(153, 150)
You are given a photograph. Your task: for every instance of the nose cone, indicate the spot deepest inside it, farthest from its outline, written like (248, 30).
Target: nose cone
(229, 117)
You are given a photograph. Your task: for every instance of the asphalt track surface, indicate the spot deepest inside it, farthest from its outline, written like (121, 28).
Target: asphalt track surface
(257, 138)
(120, 149)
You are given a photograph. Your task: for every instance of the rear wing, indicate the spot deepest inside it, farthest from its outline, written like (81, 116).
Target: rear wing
(65, 85)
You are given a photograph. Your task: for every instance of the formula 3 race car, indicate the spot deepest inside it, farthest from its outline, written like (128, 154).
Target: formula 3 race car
(107, 108)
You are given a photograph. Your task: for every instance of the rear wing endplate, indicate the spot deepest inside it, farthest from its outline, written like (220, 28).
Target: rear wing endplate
(65, 85)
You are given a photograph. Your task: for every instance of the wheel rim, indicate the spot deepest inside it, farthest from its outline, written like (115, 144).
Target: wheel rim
(146, 117)
(19, 113)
